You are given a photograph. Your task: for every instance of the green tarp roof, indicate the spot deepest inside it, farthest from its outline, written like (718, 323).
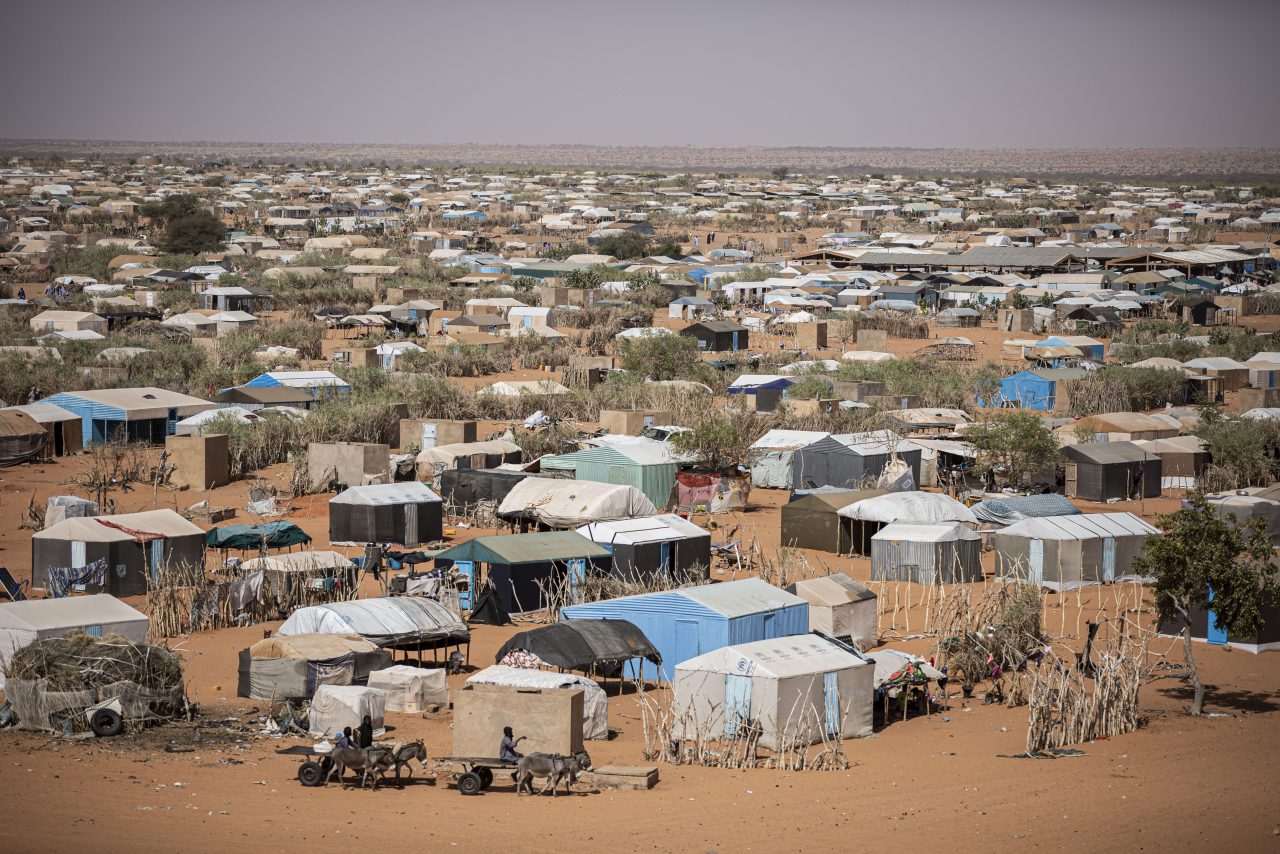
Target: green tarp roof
(271, 535)
(525, 548)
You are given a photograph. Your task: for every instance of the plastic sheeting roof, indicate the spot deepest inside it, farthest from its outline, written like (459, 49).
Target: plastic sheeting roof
(654, 529)
(579, 644)
(787, 440)
(299, 562)
(909, 507)
(73, 612)
(513, 549)
(797, 655)
(378, 494)
(740, 598)
(1015, 508)
(939, 532)
(1083, 526)
(570, 503)
(164, 523)
(385, 621)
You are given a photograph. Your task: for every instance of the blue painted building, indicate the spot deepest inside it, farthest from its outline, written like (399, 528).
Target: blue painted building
(134, 414)
(1038, 390)
(690, 621)
(316, 383)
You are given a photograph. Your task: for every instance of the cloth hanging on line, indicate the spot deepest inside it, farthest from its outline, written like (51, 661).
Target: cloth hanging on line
(64, 579)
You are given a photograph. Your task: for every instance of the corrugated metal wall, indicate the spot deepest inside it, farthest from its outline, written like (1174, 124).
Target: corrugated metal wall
(679, 627)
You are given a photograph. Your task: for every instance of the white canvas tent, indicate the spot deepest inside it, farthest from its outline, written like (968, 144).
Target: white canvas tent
(795, 688)
(931, 553)
(1065, 552)
(916, 507)
(23, 622)
(335, 707)
(572, 503)
(772, 454)
(595, 703)
(411, 689)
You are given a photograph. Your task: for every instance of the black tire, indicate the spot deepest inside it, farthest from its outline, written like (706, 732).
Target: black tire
(470, 783)
(486, 777)
(106, 723)
(310, 774)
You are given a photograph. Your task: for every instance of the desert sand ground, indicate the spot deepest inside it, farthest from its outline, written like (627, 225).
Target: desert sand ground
(1178, 783)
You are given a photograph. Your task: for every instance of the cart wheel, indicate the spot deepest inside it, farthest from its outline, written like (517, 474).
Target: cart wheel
(311, 774)
(106, 723)
(470, 783)
(486, 777)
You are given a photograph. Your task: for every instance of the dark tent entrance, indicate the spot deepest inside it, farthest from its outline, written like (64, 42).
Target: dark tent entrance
(813, 522)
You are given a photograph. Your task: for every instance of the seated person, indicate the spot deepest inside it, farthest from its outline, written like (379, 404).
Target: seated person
(507, 752)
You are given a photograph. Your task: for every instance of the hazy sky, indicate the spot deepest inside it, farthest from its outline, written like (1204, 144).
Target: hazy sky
(919, 73)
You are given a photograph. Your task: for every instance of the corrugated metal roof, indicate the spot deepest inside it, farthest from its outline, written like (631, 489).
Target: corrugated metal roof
(1084, 526)
(739, 598)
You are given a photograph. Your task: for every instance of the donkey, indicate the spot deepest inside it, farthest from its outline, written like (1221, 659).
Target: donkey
(368, 761)
(554, 768)
(405, 754)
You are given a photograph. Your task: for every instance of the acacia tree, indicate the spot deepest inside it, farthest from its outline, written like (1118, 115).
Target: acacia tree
(1200, 551)
(1013, 446)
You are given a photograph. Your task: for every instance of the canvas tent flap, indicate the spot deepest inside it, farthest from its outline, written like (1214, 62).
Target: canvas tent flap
(310, 647)
(21, 438)
(595, 703)
(580, 644)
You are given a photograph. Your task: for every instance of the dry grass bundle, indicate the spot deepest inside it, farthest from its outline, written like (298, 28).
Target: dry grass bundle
(80, 662)
(991, 636)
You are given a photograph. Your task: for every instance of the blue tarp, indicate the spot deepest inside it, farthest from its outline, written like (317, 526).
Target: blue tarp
(1015, 508)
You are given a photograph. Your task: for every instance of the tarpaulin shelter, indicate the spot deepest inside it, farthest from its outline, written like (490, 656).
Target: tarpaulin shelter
(523, 568)
(894, 669)
(595, 703)
(601, 645)
(710, 492)
(464, 455)
(469, 487)
(61, 507)
(293, 667)
(1014, 508)
(22, 438)
(1101, 471)
(650, 468)
(113, 554)
(801, 689)
(928, 553)
(397, 622)
(869, 515)
(408, 514)
(1065, 552)
(689, 621)
(554, 503)
(667, 546)
(264, 537)
(271, 585)
(853, 459)
(34, 619)
(841, 608)
(772, 456)
(336, 707)
(812, 521)
(62, 426)
(411, 689)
